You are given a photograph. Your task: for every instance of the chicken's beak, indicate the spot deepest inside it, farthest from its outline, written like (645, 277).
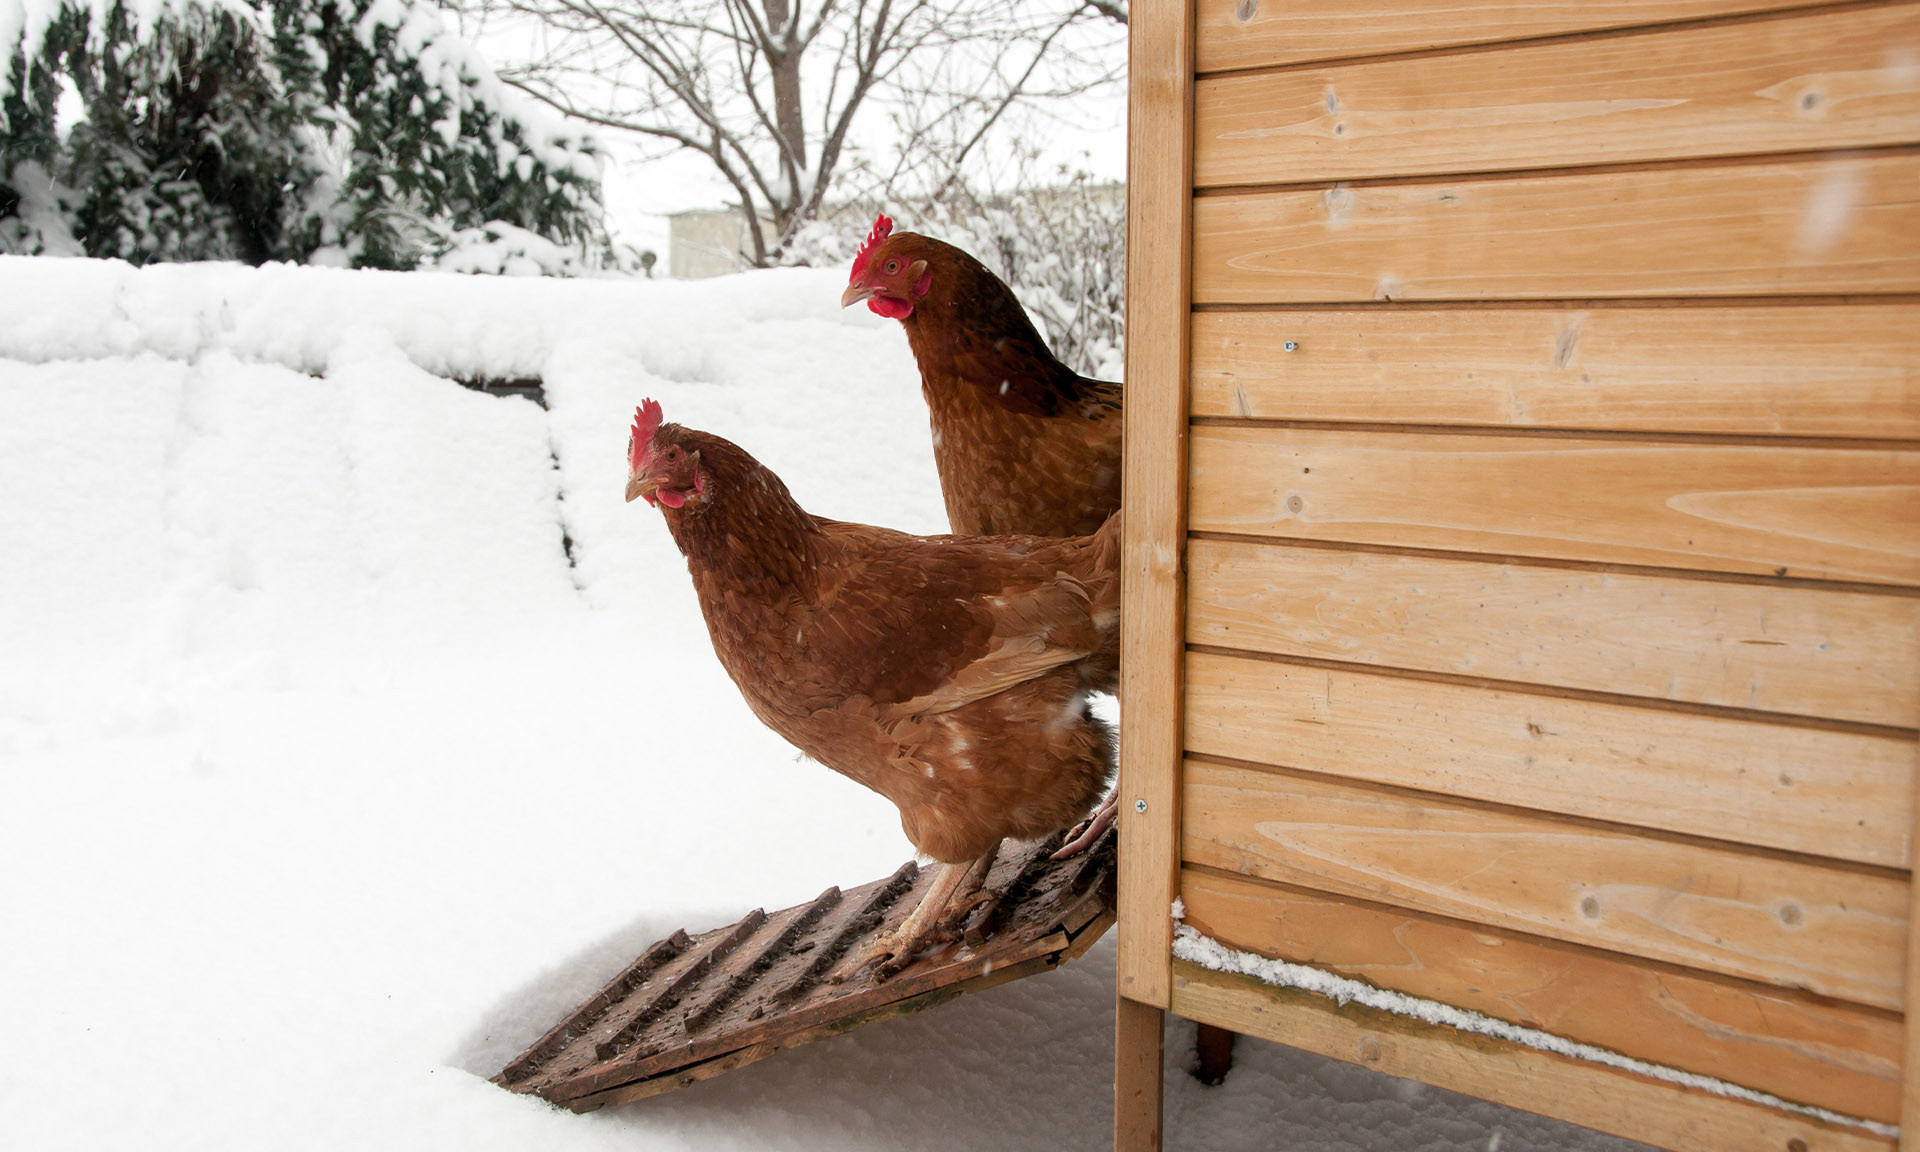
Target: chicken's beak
(854, 294)
(641, 486)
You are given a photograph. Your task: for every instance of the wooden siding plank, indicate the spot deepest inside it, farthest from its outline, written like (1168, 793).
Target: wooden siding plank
(1809, 1051)
(1789, 922)
(1838, 224)
(1792, 650)
(1160, 121)
(1843, 514)
(1838, 795)
(1773, 370)
(1599, 1097)
(1252, 34)
(1825, 80)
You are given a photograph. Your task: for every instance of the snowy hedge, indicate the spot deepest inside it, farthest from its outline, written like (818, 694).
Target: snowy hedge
(351, 132)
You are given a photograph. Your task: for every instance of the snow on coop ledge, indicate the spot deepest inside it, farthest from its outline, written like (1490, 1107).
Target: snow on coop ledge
(1191, 945)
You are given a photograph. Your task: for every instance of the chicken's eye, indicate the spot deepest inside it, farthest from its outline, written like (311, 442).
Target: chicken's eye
(672, 454)
(893, 266)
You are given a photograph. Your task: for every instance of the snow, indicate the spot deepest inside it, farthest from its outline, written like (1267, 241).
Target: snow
(330, 782)
(25, 22)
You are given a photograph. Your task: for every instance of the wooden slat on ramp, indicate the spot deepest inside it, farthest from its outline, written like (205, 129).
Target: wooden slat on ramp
(692, 1007)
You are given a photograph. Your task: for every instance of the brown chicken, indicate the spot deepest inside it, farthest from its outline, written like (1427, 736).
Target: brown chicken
(950, 674)
(1023, 443)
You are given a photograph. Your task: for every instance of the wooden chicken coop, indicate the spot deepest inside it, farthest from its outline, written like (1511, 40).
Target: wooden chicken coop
(1523, 548)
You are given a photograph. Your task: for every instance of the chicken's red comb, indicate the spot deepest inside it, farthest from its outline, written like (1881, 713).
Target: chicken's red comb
(646, 421)
(882, 228)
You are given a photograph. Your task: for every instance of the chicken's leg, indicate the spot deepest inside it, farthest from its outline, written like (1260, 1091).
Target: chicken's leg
(968, 896)
(895, 950)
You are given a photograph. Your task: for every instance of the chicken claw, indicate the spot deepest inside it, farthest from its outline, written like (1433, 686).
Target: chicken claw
(1083, 834)
(891, 951)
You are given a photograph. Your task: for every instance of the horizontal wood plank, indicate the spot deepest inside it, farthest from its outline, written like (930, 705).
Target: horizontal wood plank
(1832, 225)
(1803, 82)
(1812, 1052)
(1261, 33)
(1843, 514)
(1793, 923)
(1581, 1092)
(1794, 650)
(1838, 795)
(1774, 370)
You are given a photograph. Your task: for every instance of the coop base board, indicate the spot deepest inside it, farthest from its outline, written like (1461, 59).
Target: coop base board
(1591, 1095)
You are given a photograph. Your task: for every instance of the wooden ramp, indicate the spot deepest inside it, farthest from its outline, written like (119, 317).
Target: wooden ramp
(692, 1007)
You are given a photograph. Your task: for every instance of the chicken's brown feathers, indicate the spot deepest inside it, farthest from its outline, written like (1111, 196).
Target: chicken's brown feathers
(950, 674)
(1023, 443)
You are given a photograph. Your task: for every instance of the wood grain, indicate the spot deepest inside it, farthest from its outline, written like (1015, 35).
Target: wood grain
(754, 1053)
(1842, 514)
(1259, 33)
(1774, 370)
(1813, 1052)
(1793, 650)
(1840, 224)
(1138, 1036)
(1590, 1094)
(1154, 490)
(1838, 795)
(1825, 80)
(1789, 922)
(1910, 1080)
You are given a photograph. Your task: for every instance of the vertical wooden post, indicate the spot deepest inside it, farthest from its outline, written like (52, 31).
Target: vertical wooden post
(1910, 1071)
(1213, 1052)
(1138, 1032)
(1152, 631)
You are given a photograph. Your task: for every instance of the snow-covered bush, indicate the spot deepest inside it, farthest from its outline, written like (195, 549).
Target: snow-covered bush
(501, 249)
(357, 132)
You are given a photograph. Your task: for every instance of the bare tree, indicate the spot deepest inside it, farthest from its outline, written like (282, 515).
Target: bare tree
(775, 93)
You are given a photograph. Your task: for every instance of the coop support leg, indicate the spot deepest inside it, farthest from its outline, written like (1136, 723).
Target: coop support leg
(1213, 1048)
(1138, 1031)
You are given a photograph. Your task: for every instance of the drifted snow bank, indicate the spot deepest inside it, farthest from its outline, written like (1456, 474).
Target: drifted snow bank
(1190, 945)
(327, 783)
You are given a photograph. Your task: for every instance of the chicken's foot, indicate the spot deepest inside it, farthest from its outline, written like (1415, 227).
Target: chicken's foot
(893, 950)
(972, 892)
(1083, 834)
(955, 893)
(976, 910)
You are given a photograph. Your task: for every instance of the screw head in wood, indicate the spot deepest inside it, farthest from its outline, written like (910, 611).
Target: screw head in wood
(1291, 346)
(1139, 805)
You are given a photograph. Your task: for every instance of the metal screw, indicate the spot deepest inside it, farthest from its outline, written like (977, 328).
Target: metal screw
(1291, 346)
(1139, 805)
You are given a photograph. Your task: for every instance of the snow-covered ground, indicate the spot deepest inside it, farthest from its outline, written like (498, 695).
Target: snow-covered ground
(328, 781)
